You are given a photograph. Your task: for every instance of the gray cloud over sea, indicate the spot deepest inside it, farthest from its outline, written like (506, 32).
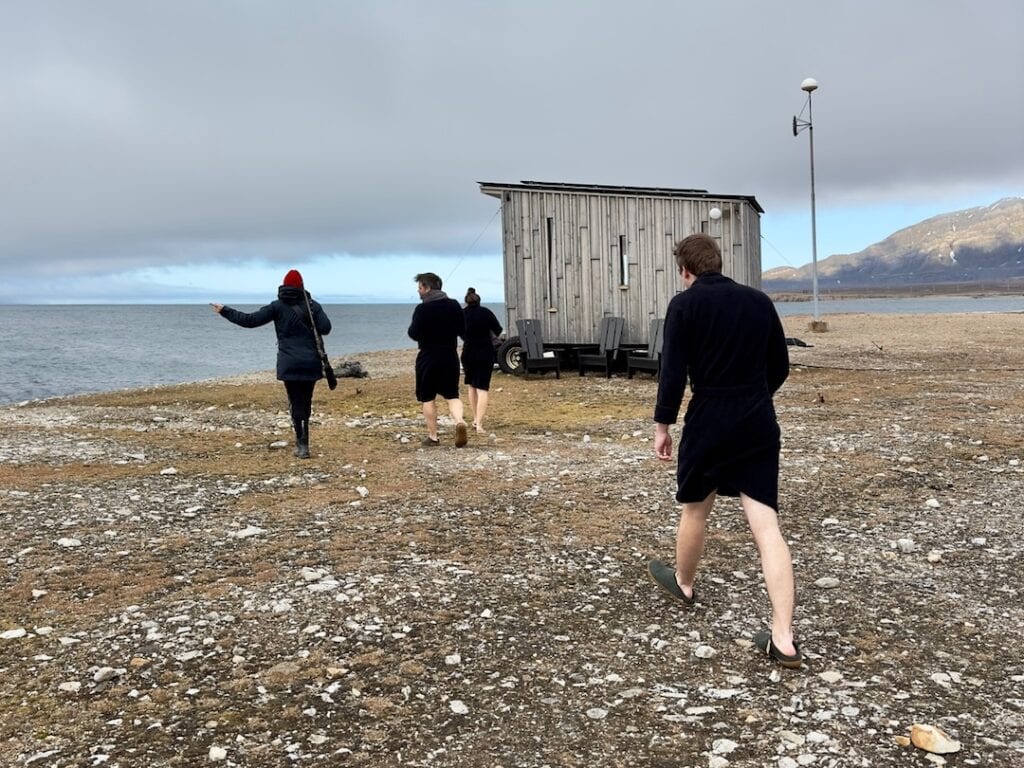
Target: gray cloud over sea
(138, 133)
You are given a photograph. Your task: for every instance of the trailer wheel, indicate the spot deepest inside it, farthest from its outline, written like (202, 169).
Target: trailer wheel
(508, 356)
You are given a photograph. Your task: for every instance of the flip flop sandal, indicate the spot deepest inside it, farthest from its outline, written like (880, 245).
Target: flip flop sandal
(429, 442)
(665, 577)
(763, 642)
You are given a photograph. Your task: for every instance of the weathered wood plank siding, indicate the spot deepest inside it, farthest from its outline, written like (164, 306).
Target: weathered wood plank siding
(575, 254)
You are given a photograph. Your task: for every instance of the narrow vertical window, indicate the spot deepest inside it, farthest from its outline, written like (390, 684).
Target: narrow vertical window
(623, 262)
(552, 281)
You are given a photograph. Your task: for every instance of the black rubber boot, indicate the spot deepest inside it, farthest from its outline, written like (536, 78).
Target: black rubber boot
(302, 444)
(299, 434)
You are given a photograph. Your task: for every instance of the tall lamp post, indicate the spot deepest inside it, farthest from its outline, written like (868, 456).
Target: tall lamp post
(810, 85)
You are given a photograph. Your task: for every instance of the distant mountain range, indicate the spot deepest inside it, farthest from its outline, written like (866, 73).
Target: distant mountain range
(973, 248)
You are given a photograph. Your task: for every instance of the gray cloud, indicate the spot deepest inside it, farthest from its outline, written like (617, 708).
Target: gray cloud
(188, 132)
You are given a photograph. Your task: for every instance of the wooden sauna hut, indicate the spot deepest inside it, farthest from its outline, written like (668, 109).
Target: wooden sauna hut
(576, 253)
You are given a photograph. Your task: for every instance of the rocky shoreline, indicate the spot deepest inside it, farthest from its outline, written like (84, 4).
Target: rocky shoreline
(178, 590)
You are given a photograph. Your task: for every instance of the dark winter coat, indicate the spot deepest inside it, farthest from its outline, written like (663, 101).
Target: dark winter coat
(297, 356)
(727, 339)
(478, 348)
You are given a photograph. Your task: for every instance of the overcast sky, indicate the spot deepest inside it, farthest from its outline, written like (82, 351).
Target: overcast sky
(193, 151)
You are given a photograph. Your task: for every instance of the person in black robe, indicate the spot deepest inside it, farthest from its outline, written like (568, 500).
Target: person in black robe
(298, 361)
(437, 324)
(478, 355)
(726, 339)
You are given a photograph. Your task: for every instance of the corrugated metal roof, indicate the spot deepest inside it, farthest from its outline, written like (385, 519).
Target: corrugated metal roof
(494, 188)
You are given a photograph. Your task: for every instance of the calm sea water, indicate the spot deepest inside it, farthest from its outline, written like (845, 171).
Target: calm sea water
(48, 351)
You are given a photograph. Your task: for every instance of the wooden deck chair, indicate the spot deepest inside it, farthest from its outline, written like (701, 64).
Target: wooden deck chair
(532, 357)
(609, 338)
(651, 359)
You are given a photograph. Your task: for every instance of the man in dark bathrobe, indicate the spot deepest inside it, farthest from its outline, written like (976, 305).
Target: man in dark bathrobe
(437, 324)
(727, 340)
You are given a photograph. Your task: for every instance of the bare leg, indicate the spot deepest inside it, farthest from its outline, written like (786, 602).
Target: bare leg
(480, 409)
(430, 414)
(472, 404)
(455, 409)
(777, 566)
(690, 541)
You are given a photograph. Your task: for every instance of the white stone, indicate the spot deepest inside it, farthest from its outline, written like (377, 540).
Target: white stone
(324, 585)
(831, 676)
(317, 738)
(453, 659)
(827, 582)
(933, 503)
(310, 574)
(71, 686)
(817, 737)
(906, 545)
(13, 634)
(723, 746)
(218, 753)
(104, 673)
(717, 761)
(596, 713)
(37, 593)
(787, 762)
(249, 530)
(168, 471)
(68, 542)
(704, 652)
(941, 678)
(723, 693)
(458, 707)
(979, 541)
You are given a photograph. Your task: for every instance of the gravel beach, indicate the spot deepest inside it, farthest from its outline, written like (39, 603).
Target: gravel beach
(178, 590)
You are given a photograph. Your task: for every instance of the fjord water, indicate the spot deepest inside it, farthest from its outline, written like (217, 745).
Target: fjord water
(48, 351)
(54, 350)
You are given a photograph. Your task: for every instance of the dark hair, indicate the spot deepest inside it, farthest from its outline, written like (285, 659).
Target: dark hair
(472, 297)
(429, 280)
(698, 254)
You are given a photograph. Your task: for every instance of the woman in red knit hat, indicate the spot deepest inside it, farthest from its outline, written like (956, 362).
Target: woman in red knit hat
(298, 361)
